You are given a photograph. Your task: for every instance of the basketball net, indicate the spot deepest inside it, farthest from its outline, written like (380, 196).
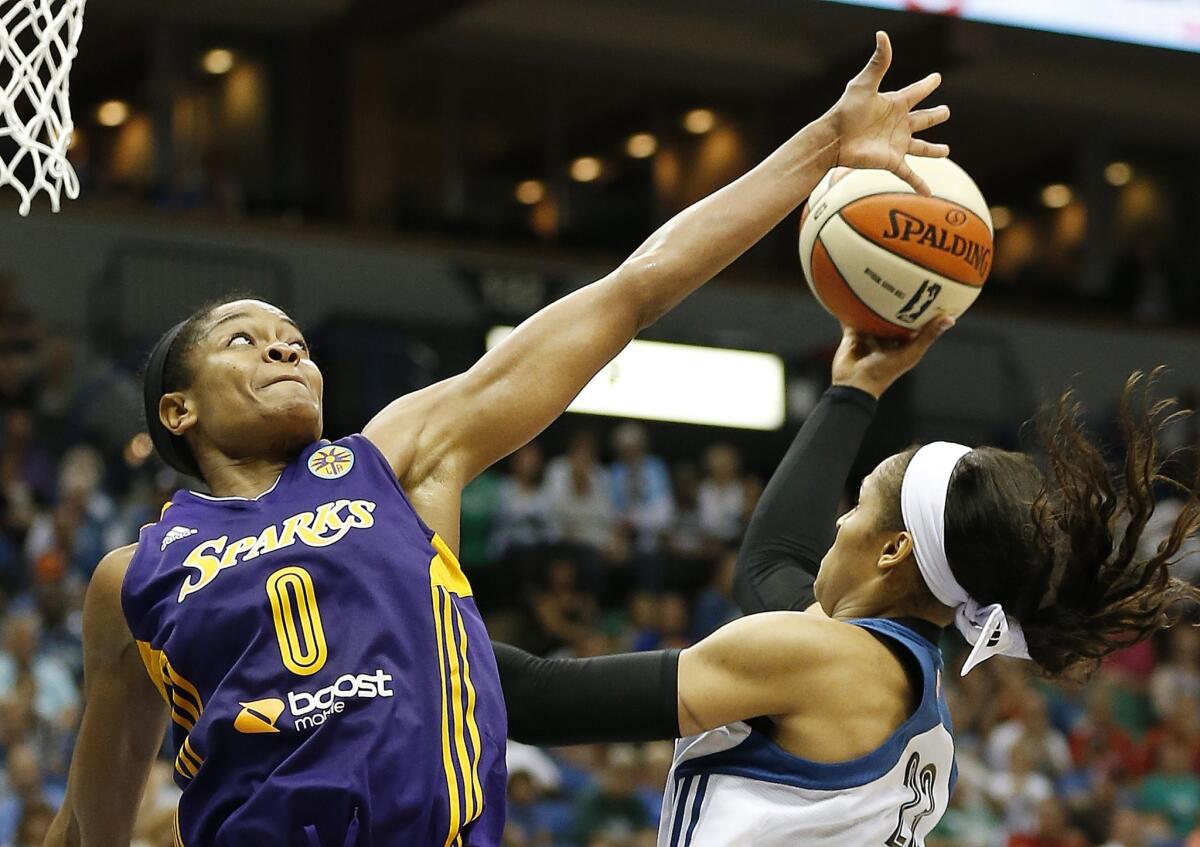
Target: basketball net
(37, 45)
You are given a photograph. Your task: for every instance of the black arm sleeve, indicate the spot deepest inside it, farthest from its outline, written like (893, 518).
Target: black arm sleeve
(793, 524)
(554, 702)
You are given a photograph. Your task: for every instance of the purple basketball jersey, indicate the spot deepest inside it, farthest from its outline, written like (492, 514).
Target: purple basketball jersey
(329, 676)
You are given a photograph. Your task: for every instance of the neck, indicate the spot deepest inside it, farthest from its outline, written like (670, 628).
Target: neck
(865, 603)
(243, 478)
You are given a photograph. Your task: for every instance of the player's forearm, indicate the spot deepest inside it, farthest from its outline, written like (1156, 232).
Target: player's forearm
(699, 242)
(793, 523)
(556, 702)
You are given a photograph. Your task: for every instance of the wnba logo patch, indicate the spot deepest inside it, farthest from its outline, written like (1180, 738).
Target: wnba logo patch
(258, 716)
(331, 462)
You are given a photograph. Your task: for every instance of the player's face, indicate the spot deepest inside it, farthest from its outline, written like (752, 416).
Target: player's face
(255, 389)
(853, 560)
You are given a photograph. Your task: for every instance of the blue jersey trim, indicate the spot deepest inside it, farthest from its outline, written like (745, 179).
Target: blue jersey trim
(760, 758)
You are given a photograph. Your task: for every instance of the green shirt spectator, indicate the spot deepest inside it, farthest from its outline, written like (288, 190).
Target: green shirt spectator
(480, 500)
(1174, 791)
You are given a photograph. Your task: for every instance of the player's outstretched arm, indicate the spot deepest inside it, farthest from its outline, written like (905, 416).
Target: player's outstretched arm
(124, 718)
(752, 667)
(455, 429)
(793, 523)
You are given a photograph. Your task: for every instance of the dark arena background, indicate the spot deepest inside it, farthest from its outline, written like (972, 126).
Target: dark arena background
(408, 177)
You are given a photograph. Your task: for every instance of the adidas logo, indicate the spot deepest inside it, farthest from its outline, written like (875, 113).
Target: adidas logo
(174, 534)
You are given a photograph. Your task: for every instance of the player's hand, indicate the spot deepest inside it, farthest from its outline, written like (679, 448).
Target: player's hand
(873, 364)
(875, 129)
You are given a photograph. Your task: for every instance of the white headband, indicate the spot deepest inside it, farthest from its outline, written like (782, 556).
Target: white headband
(923, 504)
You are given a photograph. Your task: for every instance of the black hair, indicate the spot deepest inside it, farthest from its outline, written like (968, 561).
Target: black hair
(167, 369)
(1058, 548)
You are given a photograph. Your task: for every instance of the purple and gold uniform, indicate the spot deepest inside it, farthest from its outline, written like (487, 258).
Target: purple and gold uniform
(329, 676)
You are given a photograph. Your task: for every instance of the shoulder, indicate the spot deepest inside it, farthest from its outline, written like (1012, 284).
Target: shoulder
(104, 625)
(113, 566)
(799, 640)
(403, 433)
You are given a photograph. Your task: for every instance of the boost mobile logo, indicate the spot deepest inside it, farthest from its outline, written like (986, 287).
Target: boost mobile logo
(310, 710)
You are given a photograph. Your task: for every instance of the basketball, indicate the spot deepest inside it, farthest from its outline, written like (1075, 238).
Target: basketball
(884, 259)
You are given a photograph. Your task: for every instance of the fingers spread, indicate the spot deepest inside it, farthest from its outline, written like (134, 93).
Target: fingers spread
(913, 94)
(923, 119)
(917, 147)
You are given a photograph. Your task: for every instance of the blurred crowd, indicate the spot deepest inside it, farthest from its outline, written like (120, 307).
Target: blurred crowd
(607, 547)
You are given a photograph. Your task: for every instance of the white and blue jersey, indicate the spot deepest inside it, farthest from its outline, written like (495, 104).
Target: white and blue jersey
(734, 785)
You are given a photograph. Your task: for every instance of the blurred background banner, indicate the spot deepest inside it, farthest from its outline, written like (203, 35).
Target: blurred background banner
(1159, 23)
(403, 176)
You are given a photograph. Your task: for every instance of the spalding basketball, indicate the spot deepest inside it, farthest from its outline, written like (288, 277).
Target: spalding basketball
(884, 259)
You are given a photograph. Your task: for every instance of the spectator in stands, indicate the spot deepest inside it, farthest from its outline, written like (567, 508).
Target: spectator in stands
(23, 790)
(25, 462)
(723, 494)
(1178, 675)
(61, 625)
(657, 757)
(670, 628)
(1053, 829)
(641, 489)
(23, 669)
(143, 504)
(494, 586)
(563, 611)
(18, 723)
(1173, 791)
(34, 825)
(965, 824)
(1032, 723)
(1193, 840)
(525, 824)
(613, 809)
(78, 526)
(1131, 829)
(714, 606)
(1180, 729)
(1098, 743)
(522, 524)
(689, 548)
(579, 491)
(1017, 792)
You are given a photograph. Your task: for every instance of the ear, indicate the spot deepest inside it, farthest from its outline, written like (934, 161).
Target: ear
(896, 549)
(176, 412)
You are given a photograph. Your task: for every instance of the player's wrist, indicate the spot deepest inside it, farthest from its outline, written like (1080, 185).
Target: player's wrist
(874, 387)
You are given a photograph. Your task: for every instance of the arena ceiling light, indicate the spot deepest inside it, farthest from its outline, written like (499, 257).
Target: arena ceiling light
(641, 145)
(699, 121)
(1056, 195)
(1001, 216)
(684, 383)
(530, 192)
(586, 169)
(217, 61)
(1117, 174)
(112, 113)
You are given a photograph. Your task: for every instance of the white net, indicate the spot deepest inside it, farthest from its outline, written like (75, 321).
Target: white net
(38, 41)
